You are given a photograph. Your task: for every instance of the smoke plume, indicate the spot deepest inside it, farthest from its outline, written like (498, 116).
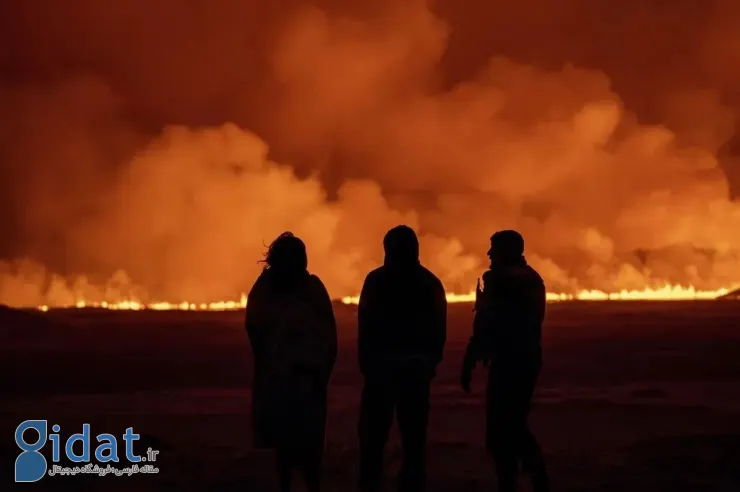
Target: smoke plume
(152, 150)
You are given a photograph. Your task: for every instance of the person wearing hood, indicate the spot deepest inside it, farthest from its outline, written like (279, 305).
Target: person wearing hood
(402, 322)
(507, 333)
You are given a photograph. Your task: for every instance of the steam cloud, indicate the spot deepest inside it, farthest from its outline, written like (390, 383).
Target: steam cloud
(134, 164)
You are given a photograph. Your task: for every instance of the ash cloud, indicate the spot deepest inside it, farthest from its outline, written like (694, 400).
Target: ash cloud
(151, 150)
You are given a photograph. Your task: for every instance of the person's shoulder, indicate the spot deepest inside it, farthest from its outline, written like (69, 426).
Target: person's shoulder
(312, 277)
(430, 277)
(313, 280)
(316, 286)
(530, 273)
(536, 275)
(525, 275)
(494, 276)
(259, 284)
(376, 274)
(504, 277)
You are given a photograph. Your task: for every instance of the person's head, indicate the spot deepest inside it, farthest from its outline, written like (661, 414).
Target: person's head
(401, 246)
(287, 254)
(506, 247)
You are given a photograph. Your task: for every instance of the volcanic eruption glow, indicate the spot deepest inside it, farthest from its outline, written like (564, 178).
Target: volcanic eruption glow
(666, 293)
(173, 142)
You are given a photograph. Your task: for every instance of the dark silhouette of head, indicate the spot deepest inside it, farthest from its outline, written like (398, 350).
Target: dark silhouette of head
(506, 247)
(401, 246)
(286, 255)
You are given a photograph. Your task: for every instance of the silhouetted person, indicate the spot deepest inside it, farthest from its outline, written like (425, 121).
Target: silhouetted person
(292, 330)
(402, 320)
(507, 337)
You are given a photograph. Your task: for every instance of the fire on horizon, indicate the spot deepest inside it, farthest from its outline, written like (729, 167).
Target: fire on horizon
(172, 143)
(666, 293)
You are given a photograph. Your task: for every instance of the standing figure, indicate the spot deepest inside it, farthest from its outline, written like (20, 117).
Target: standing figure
(292, 331)
(402, 319)
(507, 333)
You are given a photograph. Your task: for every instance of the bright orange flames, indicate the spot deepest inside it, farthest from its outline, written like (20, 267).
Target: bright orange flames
(133, 305)
(666, 293)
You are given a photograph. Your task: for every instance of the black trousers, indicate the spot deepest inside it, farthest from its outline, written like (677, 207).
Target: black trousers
(508, 437)
(408, 399)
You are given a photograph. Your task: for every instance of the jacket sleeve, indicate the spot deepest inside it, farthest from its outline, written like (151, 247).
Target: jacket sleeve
(439, 322)
(252, 322)
(541, 300)
(482, 322)
(365, 323)
(329, 326)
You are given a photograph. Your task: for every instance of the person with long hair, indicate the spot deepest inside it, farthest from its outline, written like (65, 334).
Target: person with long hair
(292, 330)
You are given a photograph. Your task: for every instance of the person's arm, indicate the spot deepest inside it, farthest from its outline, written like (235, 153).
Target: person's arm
(539, 307)
(365, 321)
(252, 318)
(480, 340)
(329, 327)
(476, 349)
(439, 322)
(542, 301)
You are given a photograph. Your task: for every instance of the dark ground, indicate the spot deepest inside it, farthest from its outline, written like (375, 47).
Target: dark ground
(634, 397)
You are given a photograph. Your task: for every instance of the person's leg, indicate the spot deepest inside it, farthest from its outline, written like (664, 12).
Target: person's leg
(532, 458)
(311, 468)
(533, 462)
(312, 460)
(297, 422)
(376, 418)
(413, 420)
(507, 475)
(285, 469)
(501, 446)
(501, 430)
(312, 451)
(261, 418)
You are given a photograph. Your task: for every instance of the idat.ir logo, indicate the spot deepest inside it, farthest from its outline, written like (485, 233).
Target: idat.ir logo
(31, 465)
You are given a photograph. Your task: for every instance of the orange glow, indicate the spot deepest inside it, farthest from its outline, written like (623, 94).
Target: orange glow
(134, 305)
(666, 293)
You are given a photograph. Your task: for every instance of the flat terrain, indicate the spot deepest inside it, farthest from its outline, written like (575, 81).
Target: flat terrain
(634, 397)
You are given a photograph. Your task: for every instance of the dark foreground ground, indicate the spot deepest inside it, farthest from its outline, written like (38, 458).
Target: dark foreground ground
(634, 397)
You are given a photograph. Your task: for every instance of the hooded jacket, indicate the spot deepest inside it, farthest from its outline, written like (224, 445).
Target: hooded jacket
(402, 319)
(508, 322)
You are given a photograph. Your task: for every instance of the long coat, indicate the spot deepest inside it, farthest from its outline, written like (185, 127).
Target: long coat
(292, 331)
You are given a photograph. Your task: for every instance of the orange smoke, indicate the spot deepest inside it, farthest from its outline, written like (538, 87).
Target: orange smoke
(178, 165)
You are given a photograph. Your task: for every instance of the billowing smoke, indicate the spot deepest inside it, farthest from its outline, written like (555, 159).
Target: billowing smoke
(139, 164)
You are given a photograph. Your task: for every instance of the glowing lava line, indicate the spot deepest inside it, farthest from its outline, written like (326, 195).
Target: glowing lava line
(133, 305)
(666, 293)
